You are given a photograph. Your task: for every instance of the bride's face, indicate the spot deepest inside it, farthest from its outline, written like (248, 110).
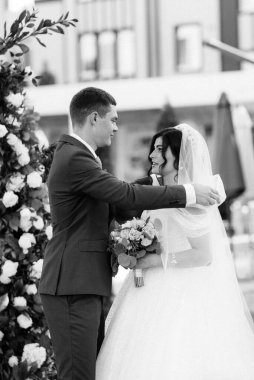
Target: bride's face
(158, 160)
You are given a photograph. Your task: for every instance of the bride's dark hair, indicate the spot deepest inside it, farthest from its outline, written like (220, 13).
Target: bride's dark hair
(171, 138)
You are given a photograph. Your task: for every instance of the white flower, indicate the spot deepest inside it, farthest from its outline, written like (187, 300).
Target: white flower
(4, 301)
(13, 120)
(29, 71)
(24, 158)
(34, 180)
(38, 223)
(43, 141)
(15, 99)
(25, 216)
(4, 279)
(149, 231)
(134, 234)
(12, 140)
(31, 289)
(146, 242)
(15, 182)
(13, 360)
(141, 223)
(24, 321)
(33, 353)
(47, 207)
(1, 335)
(19, 303)
(36, 269)
(9, 268)
(49, 232)
(3, 130)
(10, 199)
(127, 225)
(125, 233)
(26, 241)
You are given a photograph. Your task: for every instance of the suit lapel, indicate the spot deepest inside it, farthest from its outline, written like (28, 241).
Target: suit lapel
(71, 140)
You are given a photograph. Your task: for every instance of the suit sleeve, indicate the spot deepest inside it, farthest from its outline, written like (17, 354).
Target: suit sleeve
(87, 177)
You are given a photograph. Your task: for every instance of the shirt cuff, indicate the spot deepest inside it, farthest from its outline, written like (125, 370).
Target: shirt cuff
(190, 195)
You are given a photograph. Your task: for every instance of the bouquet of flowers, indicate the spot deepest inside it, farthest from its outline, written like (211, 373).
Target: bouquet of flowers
(131, 241)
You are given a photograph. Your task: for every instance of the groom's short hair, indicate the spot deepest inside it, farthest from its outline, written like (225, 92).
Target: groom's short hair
(88, 100)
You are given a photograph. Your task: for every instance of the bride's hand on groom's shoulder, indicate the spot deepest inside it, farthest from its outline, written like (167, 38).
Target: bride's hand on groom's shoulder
(206, 195)
(150, 260)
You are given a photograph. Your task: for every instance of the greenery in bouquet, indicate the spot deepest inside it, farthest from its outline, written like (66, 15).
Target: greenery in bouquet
(25, 227)
(131, 241)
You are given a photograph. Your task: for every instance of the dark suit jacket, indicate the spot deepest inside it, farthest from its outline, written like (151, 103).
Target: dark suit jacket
(76, 260)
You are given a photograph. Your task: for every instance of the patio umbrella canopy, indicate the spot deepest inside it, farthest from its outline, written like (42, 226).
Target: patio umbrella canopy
(243, 132)
(226, 160)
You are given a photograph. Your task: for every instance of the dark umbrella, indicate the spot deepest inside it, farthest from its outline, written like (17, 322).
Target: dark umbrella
(167, 118)
(226, 160)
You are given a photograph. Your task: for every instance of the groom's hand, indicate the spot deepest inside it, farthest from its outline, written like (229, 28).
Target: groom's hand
(206, 195)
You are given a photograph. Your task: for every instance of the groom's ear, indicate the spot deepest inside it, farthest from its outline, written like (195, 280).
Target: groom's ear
(93, 117)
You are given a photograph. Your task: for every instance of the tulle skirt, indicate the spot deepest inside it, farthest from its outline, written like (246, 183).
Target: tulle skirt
(180, 326)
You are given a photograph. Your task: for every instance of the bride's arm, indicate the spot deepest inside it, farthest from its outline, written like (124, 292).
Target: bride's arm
(198, 256)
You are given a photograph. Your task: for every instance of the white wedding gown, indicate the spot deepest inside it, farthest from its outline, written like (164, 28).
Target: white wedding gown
(184, 324)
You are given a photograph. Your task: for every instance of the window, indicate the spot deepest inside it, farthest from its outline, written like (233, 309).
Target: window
(88, 53)
(246, 30)
(107, 43)
(17, 6)
(188, 39)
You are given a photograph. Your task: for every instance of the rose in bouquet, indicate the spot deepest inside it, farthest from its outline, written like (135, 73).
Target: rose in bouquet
(131, 241)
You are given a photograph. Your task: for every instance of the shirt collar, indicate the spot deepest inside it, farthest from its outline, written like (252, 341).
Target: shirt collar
(85, 143)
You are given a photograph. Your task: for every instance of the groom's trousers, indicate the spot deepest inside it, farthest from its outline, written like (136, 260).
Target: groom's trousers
(76, 325)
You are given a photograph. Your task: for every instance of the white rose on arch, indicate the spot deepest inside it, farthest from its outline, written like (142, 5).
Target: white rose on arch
(13, 360)
(31, 289)
(9, 268)
(10, 199)
(24, 321)
(3, 130)
(33, 353)
(49, 232)
(38, 223)
(26, 241)
(36, 269)
(34, 180)
(4, 301)
(15, 100)
(19, 303)
(15, 182)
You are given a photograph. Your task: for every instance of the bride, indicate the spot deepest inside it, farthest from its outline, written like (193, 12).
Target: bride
(189, 321)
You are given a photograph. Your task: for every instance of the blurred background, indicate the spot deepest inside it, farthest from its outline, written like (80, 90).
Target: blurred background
(165, 62)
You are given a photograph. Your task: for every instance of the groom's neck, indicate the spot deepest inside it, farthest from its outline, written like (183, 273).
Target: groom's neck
(86, 136)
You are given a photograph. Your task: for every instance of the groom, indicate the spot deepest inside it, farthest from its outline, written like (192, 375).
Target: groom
(76, 272)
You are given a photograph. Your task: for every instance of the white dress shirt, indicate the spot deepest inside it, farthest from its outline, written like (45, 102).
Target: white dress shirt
(190, 191)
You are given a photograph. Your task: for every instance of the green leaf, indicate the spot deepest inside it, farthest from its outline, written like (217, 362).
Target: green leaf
(14, 221)
(47, 22)
(66, 16)
(133, 262)
(13, 243)
(36, 204)
(141, 253)
(34, 82)
(125, 242)
(30, 25)
(5, 30)
(157, 224)
(124, 260)
(24, 48)
(41, 43)
(60, 29)
(45, 341)
(22, 16)
(14, 27)
(119, 248)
